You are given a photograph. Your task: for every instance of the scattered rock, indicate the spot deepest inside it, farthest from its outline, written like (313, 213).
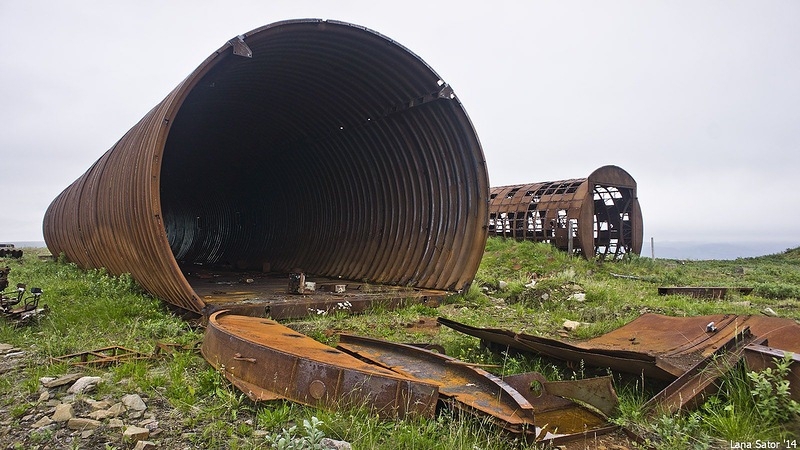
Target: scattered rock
(43, 422)
(44, 396)
(63, 380)
(87, 434)
(135, 434)
(578, 297)
(502, 285)
(145, 445)
(531, 285)
(84, 384)
(134, 402)
(116, 423)
(96, 405)
(571, 325)
(6, 348)
(331, 444)
(63, 412)
(745, 304)
(769, 312)
(82, 423)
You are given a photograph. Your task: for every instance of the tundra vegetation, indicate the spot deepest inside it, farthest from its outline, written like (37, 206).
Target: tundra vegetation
(520, 286)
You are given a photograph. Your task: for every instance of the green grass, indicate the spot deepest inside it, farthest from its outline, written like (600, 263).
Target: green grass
(91, 309)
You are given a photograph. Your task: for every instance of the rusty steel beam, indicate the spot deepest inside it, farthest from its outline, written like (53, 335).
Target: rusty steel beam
(598, 216)
(703, 292)
(268, 361)
(305, 145)
(760, 357)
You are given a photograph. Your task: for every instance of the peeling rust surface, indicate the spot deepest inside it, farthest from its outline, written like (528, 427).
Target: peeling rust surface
(659, 346)
(694, 386)
(311, 145)
(760, 357)
(519, 411)
(598, 216)
(268, 361)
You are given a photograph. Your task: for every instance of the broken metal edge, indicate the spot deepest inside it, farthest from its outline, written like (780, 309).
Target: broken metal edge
(254, 354)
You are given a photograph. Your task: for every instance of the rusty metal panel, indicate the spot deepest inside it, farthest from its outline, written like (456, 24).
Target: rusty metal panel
(695, 385)
(760, 357)
(703, 292)
(540, 416)
(328, 149)
(269, 361)
(659, 346)
(602, 208)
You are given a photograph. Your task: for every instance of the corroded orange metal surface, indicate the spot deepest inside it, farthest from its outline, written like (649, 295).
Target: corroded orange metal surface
(601, 211)
(659, 346)
(306, 144)
(514, 408)
(269, 361)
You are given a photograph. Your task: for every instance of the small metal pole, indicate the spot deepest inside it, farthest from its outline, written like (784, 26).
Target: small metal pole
(569, 237)
(652, 249)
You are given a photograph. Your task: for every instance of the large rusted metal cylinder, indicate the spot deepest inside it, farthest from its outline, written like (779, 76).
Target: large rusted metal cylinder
(309, 144)
(598, 216)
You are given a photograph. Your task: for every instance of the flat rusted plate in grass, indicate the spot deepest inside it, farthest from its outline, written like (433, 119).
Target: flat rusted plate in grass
(267, 360)
(659, 346)
(479, 392)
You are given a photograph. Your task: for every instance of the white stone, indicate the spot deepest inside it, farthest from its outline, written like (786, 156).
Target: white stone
(134, 402)
(84, 384)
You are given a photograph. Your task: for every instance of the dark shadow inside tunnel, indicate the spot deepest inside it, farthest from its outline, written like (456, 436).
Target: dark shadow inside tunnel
(323, 155)
(305, 145)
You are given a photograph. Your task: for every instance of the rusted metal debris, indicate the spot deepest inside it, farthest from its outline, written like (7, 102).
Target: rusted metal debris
(659, 346)
(598, 216)
(760, 357)
(16, 305)
(695, 385)
(541, 416)
(8, 251)
(364, 167)
(268, 361)
(102, 357)
(703, 292)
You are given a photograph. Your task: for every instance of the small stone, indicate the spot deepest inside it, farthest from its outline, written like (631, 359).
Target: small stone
(578, 297)
(43, 422)
(133, 414)
(5, 348)
(145, 445)
(770, 312)
(135, 434)
(26, 418)
(63, 412)
(116, 410)
(116, 423)
(502, 285)
(44, 396)
(571, 325)
(134, 401)
(87, 434)
(332, 444)
(81, 423)
(99, 415)
(52, 403)
(96, 405)
(63, 380)
(45, 380)
(84, 384)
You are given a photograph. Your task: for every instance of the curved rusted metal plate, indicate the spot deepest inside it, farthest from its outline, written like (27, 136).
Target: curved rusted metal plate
(317, 145)
(266, 361)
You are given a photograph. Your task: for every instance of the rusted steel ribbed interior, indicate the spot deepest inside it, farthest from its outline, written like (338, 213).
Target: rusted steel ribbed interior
(307, 145)
(601, 212)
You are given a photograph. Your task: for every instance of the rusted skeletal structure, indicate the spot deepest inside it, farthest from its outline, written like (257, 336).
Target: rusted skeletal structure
(598, 216)
(307, 144)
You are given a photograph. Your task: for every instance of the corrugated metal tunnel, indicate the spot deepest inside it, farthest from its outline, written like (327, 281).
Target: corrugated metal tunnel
(308, 145)
(598, 216)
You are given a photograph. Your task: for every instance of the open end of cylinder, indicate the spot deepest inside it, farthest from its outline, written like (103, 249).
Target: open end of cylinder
(331, 150)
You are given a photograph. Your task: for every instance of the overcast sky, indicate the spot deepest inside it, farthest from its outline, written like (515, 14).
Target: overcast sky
(698, 100)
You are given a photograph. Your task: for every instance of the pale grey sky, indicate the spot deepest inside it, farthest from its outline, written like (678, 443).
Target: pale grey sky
(698, 100)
